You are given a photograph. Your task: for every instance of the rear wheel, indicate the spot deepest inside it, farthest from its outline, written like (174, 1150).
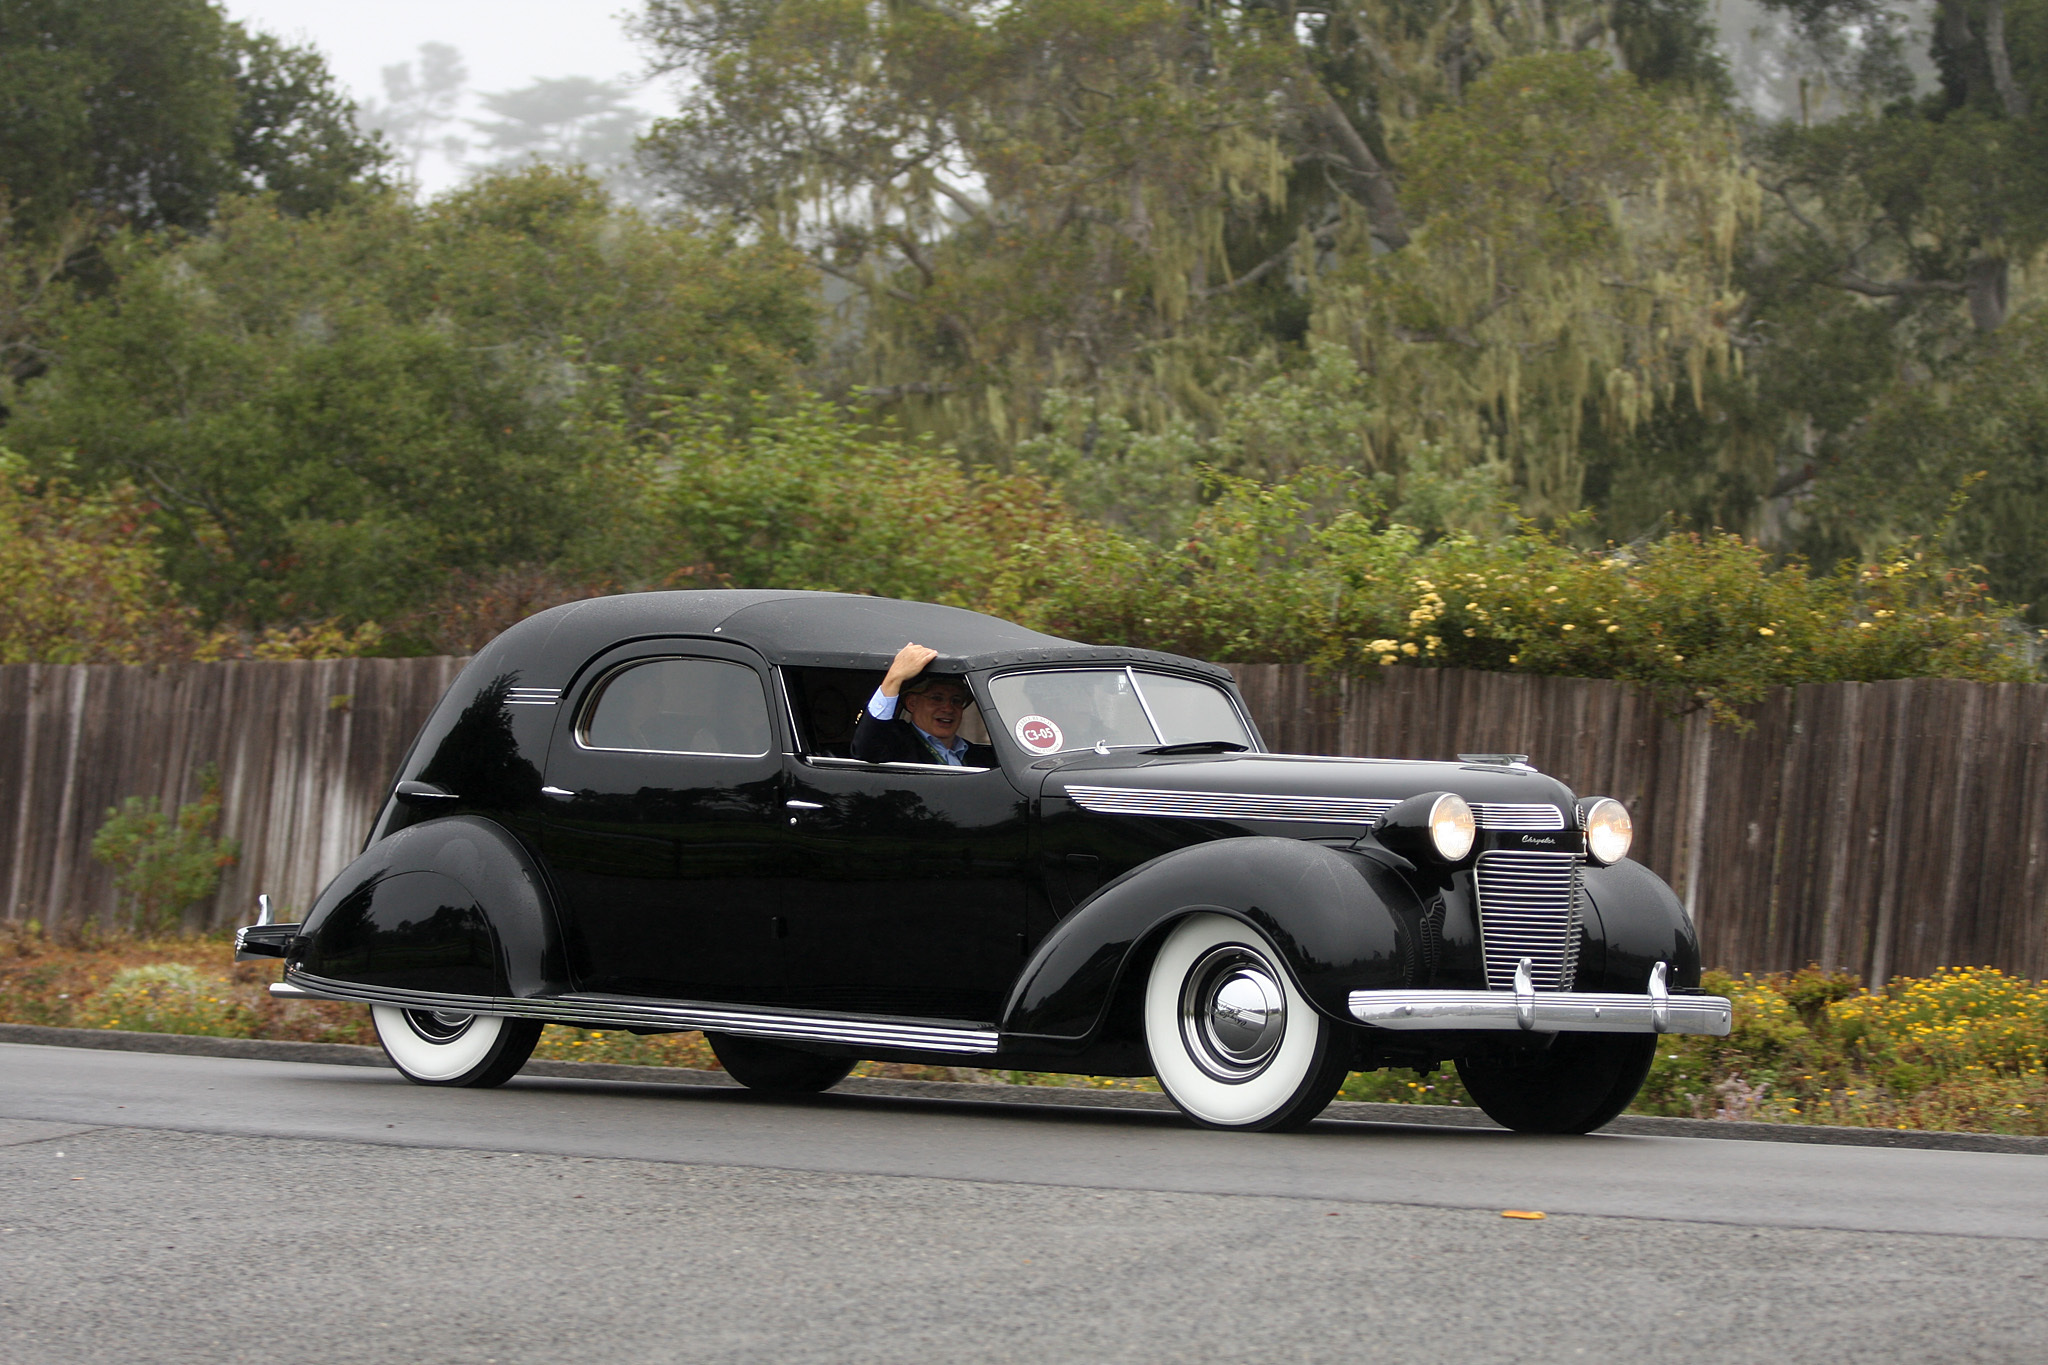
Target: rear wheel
(443, 1047)
(1234, 1044)
(775, 1069)
(1583, 1081)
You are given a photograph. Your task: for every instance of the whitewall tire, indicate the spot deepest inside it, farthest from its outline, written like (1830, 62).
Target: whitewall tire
(436, 1047)
(1233, 1041)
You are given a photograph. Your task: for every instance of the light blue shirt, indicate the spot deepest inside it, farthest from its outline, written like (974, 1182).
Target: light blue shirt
(953, 751)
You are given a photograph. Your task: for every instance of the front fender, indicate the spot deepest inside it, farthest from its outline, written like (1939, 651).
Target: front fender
(454, 906)
(1634, 922)
(1341, 923)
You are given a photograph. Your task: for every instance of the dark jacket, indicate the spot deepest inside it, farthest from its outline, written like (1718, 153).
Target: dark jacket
(898, 741)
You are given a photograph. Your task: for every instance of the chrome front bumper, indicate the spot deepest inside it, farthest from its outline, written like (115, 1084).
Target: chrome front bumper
(1658, 1011)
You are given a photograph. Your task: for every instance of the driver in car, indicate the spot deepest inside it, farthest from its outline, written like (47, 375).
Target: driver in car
(914, 717)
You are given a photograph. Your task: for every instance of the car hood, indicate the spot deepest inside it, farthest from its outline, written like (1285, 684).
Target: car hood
(1329, 791)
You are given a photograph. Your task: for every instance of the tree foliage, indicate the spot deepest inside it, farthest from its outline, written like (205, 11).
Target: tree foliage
(1148, 206)
(332, 414)
(81, 579)
(149, 110)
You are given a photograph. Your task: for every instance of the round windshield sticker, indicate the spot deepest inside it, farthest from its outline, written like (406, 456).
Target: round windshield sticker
(1040, 735)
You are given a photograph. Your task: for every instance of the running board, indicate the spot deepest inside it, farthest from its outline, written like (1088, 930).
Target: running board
(595, 1011)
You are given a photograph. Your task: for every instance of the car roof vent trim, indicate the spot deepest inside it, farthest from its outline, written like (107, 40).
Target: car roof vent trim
(533, 696)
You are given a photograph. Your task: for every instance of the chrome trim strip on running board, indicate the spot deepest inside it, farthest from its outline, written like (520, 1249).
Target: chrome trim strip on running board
(1658, 1011)
(605, 1011)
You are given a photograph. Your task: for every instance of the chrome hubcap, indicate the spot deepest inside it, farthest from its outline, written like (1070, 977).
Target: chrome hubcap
(439, 1026)
(1233, 1013)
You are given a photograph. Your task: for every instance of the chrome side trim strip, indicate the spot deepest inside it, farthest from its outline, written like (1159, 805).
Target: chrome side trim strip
(828, 761)
(1546, 1012)
(604, 1011)
(1328, 810)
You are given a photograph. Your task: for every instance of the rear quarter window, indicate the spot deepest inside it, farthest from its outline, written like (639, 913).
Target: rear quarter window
(679, 706)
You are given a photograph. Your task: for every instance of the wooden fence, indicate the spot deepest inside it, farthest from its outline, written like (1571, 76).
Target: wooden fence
(1880, 828)
(305, 752)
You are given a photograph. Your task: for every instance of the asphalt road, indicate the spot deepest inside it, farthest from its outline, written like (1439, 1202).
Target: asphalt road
(164, 1208)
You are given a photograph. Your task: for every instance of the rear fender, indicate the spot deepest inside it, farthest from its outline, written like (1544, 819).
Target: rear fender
(1339, 921)
(453, 906)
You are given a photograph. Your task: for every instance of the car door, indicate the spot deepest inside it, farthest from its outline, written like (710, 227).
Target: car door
(665, 832)
(910, 893)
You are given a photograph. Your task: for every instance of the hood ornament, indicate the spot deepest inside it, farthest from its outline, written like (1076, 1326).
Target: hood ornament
(1518, 762)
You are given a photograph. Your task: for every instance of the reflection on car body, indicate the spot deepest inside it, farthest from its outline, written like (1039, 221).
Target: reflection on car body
(640, 812)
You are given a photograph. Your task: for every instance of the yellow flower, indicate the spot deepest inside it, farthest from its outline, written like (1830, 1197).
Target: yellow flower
(1765, 630)
(1567, 626)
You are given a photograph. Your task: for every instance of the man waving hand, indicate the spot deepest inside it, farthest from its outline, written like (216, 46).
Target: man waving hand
(914, 717)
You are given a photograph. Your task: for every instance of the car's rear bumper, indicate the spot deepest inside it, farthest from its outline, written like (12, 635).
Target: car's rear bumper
(1658, 1011)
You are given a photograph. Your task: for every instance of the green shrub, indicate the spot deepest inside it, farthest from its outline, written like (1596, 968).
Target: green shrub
(165, 863)
(1311, 570)
(1965, 1049)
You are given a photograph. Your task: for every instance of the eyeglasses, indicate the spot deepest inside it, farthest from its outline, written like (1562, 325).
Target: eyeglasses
(959, 699)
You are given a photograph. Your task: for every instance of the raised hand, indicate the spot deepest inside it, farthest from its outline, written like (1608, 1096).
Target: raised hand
(910, 661)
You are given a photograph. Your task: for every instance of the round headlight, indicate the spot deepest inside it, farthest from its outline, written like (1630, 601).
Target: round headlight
(1452, 827)
(1609, 831)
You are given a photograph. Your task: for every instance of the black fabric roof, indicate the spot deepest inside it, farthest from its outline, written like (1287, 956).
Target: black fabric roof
(810, 629)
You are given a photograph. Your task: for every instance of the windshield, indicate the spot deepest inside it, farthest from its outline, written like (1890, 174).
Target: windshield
(1074, 708)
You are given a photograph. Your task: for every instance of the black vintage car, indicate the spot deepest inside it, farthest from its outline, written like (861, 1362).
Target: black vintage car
(642, 812)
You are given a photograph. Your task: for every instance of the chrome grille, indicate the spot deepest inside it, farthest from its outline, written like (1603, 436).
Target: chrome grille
(1517, 815)
(1529, 907)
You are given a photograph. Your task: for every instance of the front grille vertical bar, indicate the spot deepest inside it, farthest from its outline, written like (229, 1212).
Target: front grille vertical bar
(1529, 907)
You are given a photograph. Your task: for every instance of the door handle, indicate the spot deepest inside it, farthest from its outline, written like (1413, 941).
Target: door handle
(803, 805)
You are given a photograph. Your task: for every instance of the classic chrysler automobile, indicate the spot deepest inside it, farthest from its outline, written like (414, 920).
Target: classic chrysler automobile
(642, 812)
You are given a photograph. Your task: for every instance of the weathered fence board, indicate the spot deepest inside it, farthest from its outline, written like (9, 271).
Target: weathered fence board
(1882, 828)
(305, 752)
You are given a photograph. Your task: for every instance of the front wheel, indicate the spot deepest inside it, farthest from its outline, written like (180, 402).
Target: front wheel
(1234, 1043)
(440, 1047)
(1583, 1081)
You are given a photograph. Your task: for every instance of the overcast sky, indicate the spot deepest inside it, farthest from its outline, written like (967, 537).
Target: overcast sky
(504, 43)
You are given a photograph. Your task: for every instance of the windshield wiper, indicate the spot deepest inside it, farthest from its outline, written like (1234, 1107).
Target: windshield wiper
(1202, 746)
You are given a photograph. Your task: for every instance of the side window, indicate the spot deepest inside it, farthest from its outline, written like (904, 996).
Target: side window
(679, 706)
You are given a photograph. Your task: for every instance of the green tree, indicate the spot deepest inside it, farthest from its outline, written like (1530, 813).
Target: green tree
(1894, 249)
(1149, 206)
(149, 110)
(333, 414)
(1981, 425)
